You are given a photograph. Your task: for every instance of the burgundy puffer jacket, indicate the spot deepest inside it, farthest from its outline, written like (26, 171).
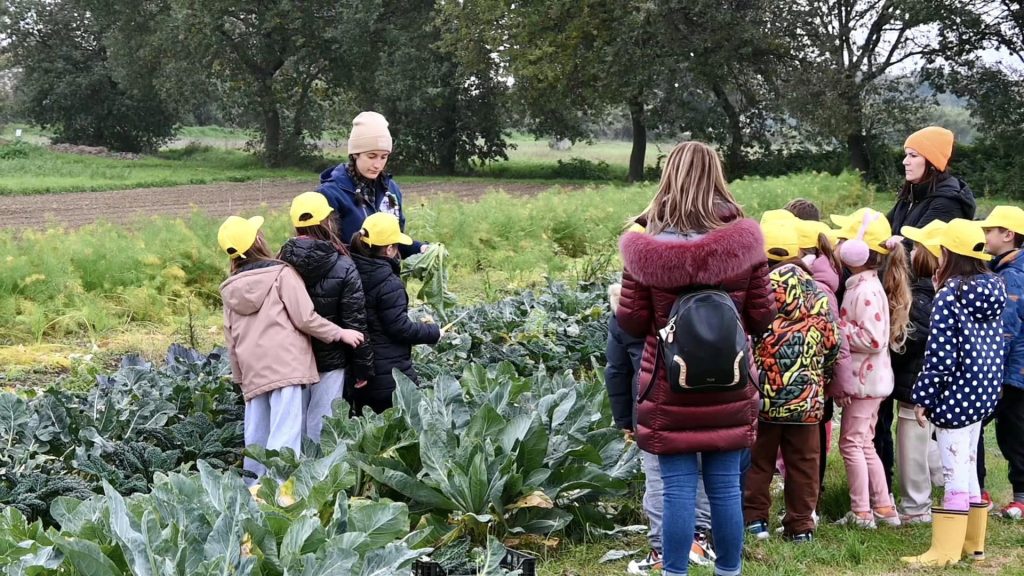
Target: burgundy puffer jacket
(657, 270)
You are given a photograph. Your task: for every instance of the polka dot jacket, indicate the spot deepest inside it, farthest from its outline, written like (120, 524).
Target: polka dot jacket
(963, 363)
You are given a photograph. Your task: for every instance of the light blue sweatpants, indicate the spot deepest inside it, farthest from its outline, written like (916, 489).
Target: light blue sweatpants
(274, 420)
(321, 395)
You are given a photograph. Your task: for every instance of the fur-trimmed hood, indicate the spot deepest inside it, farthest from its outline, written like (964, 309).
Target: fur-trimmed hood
(667, 261)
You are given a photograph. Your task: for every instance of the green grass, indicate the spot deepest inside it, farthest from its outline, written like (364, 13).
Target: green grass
(837, 549)
(39, 170)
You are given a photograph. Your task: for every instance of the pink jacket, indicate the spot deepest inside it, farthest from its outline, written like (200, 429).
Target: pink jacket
(268, 319)
(842, 383)
(864, 322)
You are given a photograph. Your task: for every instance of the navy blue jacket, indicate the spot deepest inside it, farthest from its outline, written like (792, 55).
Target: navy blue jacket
(391, 332)
(1010, 267)
(351, 208)
(963, 364)
(906, 365)
(622, 355)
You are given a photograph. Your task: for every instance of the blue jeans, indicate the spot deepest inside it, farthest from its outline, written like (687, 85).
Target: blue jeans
(721, 474)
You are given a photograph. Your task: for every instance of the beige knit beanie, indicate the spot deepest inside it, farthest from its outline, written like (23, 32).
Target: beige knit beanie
(369, 132)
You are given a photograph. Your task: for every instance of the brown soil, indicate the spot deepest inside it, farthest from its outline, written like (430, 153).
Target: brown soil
(71, 210)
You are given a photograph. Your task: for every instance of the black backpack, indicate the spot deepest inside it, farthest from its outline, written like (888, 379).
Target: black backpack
(703, 346)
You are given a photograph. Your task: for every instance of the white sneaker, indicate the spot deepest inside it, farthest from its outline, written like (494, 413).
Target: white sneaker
(701, 553)
(893, 520)
(852, 519)
(645, 566)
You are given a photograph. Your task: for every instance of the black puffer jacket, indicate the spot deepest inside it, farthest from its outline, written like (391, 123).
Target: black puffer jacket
(391, 331)
(944, 199)
(906, 366)
(335, 288)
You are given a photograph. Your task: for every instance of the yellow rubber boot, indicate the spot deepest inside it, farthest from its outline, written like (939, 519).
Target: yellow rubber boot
(949, 530)
(977, 526)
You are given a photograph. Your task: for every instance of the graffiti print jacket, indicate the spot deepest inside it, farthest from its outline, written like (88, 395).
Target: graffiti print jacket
(797, 353)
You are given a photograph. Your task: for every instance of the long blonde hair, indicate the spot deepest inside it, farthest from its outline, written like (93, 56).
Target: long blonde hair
(692, 192)
(894, 269)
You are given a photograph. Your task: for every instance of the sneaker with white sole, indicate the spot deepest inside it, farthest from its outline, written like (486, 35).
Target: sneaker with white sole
(852, 519)
(701, 553)
(1013, 511)
(758, 528)
(892, 519)
(647, 565)
(909, 519)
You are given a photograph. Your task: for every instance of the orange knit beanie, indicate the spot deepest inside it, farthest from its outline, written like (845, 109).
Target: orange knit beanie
(934, 143)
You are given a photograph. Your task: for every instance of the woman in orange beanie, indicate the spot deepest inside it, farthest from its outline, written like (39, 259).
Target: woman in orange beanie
(929, 193)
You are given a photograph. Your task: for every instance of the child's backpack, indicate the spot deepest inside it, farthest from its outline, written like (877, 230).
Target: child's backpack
(703, 346)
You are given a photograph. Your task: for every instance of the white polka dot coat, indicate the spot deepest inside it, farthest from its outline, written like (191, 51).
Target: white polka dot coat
(963, 363)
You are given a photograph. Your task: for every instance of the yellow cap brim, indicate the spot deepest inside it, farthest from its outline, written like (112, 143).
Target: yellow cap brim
(256, 221)
(404, 240)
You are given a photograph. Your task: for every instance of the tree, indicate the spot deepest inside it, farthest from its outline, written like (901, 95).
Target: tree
(70, 83)
(849, 48)
(436, 84)
(574, 60)
(276, 63)
(725, 59)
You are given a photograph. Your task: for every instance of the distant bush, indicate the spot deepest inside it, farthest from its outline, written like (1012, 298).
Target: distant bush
(583, 169)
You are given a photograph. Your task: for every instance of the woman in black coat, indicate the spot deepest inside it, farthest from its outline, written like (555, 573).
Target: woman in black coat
(929, 193)
(392, 334)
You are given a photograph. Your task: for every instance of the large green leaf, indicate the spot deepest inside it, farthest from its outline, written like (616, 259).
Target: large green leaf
(295, 540)
(391, 560)
(407, 485)
(86, 557)
(137, 549)
(382, 521)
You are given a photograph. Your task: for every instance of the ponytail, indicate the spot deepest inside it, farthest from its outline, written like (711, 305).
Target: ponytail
(359, 246)
(896, 282)
(825, 250)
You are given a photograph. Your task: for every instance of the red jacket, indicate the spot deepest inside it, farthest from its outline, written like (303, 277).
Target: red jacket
(657, 270)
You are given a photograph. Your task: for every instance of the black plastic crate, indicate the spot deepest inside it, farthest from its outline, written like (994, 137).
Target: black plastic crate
(513, 560)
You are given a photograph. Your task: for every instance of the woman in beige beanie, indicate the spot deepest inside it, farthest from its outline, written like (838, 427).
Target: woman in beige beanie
(361, 187)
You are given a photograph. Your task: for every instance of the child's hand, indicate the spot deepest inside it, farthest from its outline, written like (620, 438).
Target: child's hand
(352, 338)
(922, 421)
(360, 383)
(844, 402)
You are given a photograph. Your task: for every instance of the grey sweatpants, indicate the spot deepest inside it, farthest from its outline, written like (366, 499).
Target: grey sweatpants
(654, 500)
(321, 395)
(274, 420)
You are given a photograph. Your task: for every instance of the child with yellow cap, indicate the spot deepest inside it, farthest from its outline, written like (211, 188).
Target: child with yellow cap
(331, 278)
(959, 386)
(268, 321)
(873, 318)
(1004, 236)
(375, 251)
(795, 357)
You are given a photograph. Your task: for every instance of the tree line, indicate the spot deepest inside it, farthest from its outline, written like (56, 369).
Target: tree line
(763, 79)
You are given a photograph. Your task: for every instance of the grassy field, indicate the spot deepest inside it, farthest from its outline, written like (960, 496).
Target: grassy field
(210, 154)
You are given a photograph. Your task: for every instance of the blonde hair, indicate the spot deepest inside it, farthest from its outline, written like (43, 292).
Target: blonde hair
(895, 272)
(691, 194)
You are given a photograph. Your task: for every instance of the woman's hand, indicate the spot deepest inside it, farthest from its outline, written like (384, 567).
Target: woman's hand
(424, 248)
(352, 338)
(922, 421)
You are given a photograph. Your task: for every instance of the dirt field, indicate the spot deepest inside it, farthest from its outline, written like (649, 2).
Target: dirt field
(80, 208)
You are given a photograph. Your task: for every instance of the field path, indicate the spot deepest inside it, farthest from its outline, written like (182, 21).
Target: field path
(79, 208)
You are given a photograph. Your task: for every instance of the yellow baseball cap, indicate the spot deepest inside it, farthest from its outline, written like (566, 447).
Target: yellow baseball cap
(877, 232)
(927, 236)
(1009, 217)
(964, 237)
(807, 230)
(849, 225)
(382, 229)
(236, 235)
(309, 209)
(778, 235)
